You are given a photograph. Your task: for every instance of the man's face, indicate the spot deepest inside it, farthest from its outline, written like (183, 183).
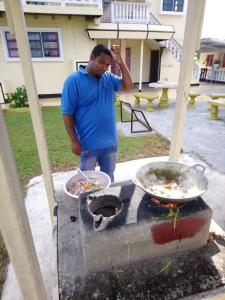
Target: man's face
(100, 64)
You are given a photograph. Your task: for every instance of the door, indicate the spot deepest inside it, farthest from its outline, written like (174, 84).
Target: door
(154, 66)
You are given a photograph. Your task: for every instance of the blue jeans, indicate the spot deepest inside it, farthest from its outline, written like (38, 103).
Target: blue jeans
(106, 159)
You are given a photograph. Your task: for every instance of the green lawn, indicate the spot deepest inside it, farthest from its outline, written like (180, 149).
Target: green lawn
(25, 150)
(22, 139)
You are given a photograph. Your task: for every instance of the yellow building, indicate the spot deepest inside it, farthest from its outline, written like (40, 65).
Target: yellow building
(212, 60)
(61, 35)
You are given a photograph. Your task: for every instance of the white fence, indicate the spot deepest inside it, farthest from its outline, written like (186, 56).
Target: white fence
(215, 75)
(130, 12)
(97, 3)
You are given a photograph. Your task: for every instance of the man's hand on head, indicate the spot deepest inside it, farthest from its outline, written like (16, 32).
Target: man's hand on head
(117, 55)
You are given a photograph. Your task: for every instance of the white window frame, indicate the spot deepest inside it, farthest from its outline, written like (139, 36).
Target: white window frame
(34, 29)
(175, 13)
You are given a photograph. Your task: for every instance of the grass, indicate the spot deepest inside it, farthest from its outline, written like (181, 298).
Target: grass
(22, 139)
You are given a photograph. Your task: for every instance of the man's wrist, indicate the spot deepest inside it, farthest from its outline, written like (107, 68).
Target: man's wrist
(121, 64)
(74, 140)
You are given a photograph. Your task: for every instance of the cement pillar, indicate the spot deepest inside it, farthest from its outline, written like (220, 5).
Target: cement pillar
(16, 22)
(141, 64)
(109, 46)
(195, 13)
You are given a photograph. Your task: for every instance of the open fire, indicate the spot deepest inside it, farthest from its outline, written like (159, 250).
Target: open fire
(168, 205)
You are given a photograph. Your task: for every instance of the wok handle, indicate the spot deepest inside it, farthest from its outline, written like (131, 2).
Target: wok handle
(199, 168)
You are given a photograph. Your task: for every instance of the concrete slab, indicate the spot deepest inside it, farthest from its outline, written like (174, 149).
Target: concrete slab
(137, 233)
(191, 273)
(37, 208)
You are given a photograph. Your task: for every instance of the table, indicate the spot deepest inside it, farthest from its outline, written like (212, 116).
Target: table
(164, 99)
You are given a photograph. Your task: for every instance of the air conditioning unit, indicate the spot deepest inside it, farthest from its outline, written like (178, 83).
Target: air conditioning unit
(2, 91)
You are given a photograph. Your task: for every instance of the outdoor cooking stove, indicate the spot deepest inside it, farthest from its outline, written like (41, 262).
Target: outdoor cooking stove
(142, 230)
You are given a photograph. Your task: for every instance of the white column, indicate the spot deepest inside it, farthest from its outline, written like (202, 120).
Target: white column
(195, 13)
(15, 17)
(123, 49)
(141, 64)
(109, 46)
(15, 226)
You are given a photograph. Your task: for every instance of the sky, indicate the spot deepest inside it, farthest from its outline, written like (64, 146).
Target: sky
(214, 19)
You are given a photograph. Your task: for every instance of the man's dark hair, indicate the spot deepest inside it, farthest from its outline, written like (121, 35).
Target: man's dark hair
(99, 49)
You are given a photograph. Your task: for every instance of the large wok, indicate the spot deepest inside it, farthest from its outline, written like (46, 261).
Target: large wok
(157, 175)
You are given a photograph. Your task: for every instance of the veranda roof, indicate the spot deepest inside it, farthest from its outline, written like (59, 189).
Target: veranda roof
(212, 45)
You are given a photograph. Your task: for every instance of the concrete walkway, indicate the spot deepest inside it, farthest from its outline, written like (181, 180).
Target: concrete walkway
(202, 137)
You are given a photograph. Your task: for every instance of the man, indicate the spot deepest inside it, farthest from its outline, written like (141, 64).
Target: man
(89, 111)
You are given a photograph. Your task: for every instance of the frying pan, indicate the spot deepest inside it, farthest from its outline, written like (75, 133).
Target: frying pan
(156, 174)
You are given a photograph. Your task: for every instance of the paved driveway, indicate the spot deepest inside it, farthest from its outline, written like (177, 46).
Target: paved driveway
(202, 137)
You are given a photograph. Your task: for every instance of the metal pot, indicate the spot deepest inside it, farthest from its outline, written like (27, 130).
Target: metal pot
(155, 179)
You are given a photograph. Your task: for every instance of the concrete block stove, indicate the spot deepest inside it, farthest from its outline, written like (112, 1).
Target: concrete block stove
(141, 230)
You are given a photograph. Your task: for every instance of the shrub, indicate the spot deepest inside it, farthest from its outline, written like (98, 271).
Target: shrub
(18, 98)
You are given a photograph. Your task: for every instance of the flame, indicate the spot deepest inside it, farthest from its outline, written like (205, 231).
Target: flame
(168, 205)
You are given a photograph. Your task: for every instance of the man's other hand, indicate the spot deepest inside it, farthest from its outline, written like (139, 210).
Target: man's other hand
(76, 148)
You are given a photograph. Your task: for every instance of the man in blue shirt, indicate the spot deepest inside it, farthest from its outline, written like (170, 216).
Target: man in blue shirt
(89, 111)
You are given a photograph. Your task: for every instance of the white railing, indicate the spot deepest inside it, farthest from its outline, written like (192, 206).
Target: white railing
(176, 49)
(216, 75)
(64, 2)
(130, 12)
(196, 71)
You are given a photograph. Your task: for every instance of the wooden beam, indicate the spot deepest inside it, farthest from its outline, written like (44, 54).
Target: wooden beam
(194, 18)
(16, 18)
(15, 226)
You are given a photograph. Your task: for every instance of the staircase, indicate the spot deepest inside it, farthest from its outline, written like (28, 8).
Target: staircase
(176, 49)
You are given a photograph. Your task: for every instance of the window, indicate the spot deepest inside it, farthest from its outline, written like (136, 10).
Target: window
(43, 44)
(209, 60)
(173, 5)
(11, 45)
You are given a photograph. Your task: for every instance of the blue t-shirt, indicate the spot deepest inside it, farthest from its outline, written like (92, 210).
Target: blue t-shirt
(91, 102)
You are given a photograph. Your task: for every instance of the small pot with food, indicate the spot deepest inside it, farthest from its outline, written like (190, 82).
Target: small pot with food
(78, 184)
(172, 182)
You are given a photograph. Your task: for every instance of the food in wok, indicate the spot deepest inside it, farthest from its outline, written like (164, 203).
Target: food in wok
(172, 182)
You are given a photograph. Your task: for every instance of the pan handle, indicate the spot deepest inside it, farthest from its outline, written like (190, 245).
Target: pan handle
(199, 168)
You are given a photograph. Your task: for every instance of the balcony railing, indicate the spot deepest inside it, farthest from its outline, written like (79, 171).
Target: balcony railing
(217, 75)
(127, 12)
(96, 3)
